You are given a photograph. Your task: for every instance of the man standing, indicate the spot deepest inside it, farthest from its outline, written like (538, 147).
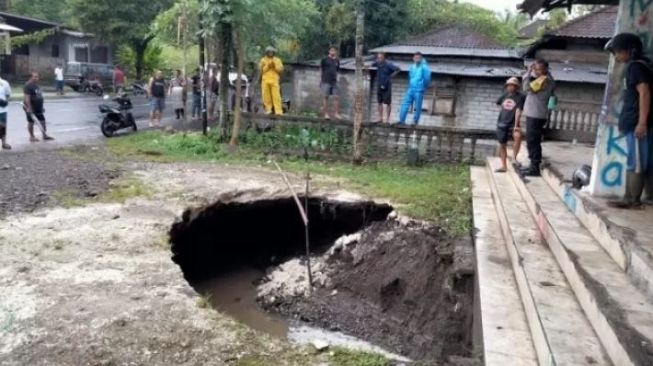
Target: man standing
(197, 94)
(5, 94)
(539, 86)
(118, 79)
(419, 78)
(58, 79)
(636, 119)
(385, 71)
(157, 91)
(271, 68)
(329, 67)
(33, 105)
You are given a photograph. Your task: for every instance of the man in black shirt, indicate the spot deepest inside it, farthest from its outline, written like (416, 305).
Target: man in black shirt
(197, 94)
(33, 106)
(157, 91)
(329, 67)
(385, 71)
(636, 119)
(508, 123)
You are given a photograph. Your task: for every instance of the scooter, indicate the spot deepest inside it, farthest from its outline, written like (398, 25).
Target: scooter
(117, 118)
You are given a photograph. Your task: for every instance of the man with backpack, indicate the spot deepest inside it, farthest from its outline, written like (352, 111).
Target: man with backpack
(635, 120)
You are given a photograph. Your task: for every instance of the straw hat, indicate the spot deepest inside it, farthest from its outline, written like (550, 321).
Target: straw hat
(513, 81)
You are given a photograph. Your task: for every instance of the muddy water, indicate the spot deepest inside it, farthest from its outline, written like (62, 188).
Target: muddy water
(235, 294)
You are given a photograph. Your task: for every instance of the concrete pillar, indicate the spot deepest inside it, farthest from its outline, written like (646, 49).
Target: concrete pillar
(609, 165)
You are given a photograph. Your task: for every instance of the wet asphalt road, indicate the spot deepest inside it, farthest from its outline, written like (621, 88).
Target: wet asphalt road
(72, 120)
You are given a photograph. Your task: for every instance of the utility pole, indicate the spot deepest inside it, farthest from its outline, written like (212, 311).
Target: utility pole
(203, 73)
(360, 83)
(184, 30)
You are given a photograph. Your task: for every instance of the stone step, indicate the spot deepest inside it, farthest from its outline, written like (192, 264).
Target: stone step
(616, 230)
(620, 314)
(561, 333)
(505, 336)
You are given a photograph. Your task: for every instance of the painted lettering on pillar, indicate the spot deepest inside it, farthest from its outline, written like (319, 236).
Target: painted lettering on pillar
(612, 173)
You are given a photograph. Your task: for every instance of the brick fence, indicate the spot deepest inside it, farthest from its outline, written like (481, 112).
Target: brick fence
(380, 142)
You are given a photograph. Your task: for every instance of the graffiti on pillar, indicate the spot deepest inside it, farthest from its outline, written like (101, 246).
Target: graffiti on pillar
(612, 173)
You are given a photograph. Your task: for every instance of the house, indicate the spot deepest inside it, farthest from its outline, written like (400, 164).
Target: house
(579, 64)
(469, 72)
(532, 30)
(57, 44)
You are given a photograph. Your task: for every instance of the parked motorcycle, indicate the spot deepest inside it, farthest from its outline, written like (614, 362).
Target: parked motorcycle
(91, 86)
(117, 117)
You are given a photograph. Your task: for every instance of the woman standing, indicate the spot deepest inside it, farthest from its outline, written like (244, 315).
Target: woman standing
(177, 94)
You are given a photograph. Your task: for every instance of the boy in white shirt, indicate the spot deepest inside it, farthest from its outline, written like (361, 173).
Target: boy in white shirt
(58, 79)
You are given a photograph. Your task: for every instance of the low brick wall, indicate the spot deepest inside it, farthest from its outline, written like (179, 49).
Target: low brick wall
(380, 142)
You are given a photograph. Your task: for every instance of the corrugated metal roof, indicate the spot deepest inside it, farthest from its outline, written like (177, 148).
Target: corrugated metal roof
(448, 51)
(597, 24)
(577, 72)
(453, 69)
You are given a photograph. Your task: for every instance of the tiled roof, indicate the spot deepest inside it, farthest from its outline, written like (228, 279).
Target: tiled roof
(454, 37)
(597, 24)
(453, 40)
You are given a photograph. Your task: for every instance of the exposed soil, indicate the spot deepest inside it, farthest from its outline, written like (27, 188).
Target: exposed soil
(31, 179)
(405, 286)
(396, 287)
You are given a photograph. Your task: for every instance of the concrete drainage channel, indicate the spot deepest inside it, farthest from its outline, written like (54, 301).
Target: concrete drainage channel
(381, 284)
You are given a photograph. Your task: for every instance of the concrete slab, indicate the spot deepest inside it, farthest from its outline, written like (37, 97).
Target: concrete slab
(557, 322)
(506, 335)
(627, 235)
(600, 285)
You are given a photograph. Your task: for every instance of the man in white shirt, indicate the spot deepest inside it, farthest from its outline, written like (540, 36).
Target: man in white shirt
(58, 77)
(5, 94)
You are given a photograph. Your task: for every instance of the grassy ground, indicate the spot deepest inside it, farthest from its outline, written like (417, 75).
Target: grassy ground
(440, 194)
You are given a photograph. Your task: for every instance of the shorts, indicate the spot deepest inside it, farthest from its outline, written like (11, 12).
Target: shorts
(38, 114)
(329, 89)
(158, 104)
(3, 119)
(504, 134)
(384, 96)
(58, 84)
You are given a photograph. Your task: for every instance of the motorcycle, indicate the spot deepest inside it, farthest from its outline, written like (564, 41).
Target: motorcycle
(117, 118)
(90, 86)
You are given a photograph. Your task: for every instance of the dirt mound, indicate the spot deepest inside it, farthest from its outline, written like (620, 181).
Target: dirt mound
(397, 287)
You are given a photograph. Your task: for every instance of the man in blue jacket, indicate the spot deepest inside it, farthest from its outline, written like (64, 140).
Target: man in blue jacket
(419, 78)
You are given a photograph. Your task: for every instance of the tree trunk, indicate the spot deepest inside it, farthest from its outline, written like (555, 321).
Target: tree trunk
(240, 56)
(139, 50)
(225, 46)
(360, 84)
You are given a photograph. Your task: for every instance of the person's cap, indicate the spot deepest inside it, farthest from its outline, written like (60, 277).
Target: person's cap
(270, 49)
(624, 42)
(513, 81)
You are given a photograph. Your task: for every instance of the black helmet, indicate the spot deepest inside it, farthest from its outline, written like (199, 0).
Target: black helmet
(625, 42)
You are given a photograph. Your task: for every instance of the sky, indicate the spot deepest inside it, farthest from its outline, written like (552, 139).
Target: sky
(497, 5)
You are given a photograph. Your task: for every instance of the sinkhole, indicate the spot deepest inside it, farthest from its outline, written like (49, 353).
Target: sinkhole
(390, 287)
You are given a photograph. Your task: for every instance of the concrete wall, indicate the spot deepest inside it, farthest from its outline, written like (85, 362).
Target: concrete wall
(24, 65)
(475, 97)
(609, 165)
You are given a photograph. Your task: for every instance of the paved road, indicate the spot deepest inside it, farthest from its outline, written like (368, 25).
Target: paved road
(72, 120)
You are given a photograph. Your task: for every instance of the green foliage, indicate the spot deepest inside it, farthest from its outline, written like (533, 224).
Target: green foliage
(166, 24)
(345, 357)
(31, 38)
(153, 59)
(296, 138)
(438, 193)
(54, 11)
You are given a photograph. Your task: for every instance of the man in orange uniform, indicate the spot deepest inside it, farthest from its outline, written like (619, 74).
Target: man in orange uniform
(271, 68)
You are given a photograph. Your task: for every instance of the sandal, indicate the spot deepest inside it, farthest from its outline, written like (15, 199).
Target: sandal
(6, 147)
(500, 170)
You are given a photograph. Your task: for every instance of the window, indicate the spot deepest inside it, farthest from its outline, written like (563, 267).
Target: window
(444, 100)
(100, 55)
(81, 53)
(55, 51)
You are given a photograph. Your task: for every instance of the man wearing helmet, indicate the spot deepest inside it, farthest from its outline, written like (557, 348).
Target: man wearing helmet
(271, 69)
(635, 120)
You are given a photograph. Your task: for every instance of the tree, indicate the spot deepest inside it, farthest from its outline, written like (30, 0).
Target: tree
(54, 11)
(127, 23)
(360, 81)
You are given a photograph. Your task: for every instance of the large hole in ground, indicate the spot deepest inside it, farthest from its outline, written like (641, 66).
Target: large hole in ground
(393, 284)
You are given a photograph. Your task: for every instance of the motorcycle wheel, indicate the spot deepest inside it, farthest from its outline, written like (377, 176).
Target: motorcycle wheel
(107, 129)
(131, 120)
